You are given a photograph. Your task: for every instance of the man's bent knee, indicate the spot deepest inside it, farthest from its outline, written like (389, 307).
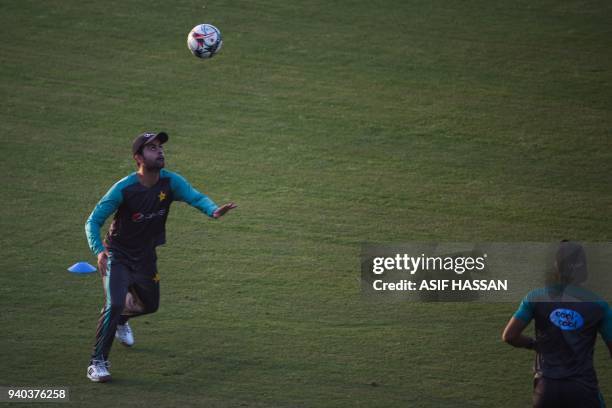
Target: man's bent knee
(133, 305)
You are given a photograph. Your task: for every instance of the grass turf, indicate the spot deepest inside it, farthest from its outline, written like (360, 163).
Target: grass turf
(330, 124)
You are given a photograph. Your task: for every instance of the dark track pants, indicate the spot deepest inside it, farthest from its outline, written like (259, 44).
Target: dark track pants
(554, 393)
(142, 281)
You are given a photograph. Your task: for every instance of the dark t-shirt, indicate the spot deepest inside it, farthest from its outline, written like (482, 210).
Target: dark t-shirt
(567, 320)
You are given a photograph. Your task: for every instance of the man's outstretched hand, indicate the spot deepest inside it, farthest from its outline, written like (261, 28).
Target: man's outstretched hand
(219, 212)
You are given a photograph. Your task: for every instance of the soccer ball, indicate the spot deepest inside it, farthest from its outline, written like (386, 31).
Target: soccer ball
(204, 40)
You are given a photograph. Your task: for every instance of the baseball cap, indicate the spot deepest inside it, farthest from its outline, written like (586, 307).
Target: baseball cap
(148, 137)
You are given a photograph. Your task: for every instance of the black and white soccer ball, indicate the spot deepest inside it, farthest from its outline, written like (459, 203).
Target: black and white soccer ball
(204, 41)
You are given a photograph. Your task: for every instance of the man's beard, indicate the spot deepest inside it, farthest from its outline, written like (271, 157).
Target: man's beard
(155, 165)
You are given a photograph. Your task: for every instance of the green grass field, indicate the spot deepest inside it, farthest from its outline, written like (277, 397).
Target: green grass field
(330, 124)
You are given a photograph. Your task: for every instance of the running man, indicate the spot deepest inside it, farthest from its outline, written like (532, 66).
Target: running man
(127, 258)
(567, 320)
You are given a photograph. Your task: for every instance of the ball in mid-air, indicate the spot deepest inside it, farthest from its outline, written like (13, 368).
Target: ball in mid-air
(204, 40)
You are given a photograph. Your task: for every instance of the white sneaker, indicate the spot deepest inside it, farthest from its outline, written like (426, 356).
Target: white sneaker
(98, 371)
(124, 334)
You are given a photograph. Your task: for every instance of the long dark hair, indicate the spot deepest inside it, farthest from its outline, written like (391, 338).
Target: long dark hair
(571, 263)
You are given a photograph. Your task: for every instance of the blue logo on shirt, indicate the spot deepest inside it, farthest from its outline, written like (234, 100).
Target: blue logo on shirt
(566, 319)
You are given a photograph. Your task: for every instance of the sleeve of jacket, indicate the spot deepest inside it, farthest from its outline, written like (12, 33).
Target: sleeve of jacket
(107, 205)
(605, 329)
(183, 191)
(525, 310)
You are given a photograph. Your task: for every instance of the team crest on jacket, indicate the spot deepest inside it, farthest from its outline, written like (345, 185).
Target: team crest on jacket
(162, 196)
